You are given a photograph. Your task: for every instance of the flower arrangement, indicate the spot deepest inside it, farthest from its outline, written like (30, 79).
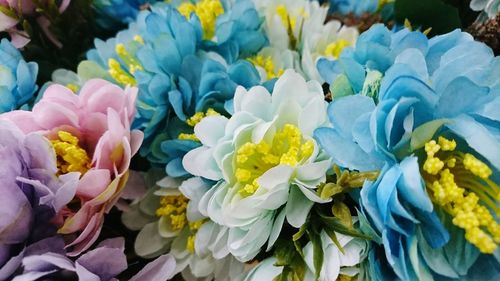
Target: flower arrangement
(248, 140)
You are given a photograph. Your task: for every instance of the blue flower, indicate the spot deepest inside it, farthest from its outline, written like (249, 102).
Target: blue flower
(167, 57)
(114, 13)
(354, 6)
(424, 120)
(17, 78)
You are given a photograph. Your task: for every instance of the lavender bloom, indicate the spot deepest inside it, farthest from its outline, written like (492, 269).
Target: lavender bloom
(31, 193)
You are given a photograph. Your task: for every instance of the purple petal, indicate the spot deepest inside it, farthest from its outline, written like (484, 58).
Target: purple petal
(161, 268)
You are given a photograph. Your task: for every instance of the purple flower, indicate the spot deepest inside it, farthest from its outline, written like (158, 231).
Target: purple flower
(31, 193)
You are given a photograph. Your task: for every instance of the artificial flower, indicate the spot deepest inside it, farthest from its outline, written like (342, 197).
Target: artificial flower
(412, 92)
(12, 12)
(299, 27)
(18, 82)
(169, 222)
(31, 193)
(490, 7)
(263, 158)
(90, 133)
(115, 13)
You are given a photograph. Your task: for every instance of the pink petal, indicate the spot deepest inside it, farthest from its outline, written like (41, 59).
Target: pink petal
(99, 95)
(51, 115)
(23, 119)
(93, 183)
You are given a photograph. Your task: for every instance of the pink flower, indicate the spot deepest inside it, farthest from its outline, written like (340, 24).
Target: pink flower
(90, 133)
(26, 8)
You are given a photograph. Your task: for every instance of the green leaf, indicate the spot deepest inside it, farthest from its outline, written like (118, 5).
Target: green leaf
(300, 233)
(336, 224)
(318, 254)
(341, 87)
(8, 12)
(333, 237)
(424, 133)
(330, 189)
(441, 17)
(341, 211)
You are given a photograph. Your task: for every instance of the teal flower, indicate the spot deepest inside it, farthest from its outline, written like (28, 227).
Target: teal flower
(427, 123)
(17, 78)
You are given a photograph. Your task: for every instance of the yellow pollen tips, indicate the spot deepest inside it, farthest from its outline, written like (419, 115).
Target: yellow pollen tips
(174, 207)
(288, 147)
(476, 166)
(193, 227)
(335, 48)
(184, 136)
(196, 118)
(130, 61)
(268, 65)
(70, 156)
(139, 39)
(288, 21)
(120, 75)
(207, 11)
(74, 88)
(461, 189)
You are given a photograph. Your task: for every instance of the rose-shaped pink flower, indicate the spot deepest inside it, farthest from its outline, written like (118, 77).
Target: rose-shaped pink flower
(99, 117)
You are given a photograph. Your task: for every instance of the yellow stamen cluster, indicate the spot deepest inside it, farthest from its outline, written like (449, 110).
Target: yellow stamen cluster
(74, 88)
(459, 184)
(174, 206)
(335, 48)
(286, 19)
(195, 119)
(268, 65)
(253, 160)
(70, 156)
(125, 77)
(207, 11)
(343, 277)
(193, 227)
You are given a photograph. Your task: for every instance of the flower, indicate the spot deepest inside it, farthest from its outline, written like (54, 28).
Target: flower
(356, 7)
(263, 158)
(18, 83)
(419, 91)
(31, 193)
(170, 222)
(90, 133)
(113, 14)
(490, 7)
(12, 12)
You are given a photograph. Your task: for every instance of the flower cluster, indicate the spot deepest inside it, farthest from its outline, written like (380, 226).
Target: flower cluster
(249, 140)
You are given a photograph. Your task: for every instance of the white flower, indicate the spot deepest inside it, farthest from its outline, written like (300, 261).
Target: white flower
(491, 7)
(263, 157)
(334, 261)
(265, 270)
(299, 26)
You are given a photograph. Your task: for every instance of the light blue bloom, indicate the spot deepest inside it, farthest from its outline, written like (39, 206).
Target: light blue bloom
(164, 55)
(445, 86)
(17, 78)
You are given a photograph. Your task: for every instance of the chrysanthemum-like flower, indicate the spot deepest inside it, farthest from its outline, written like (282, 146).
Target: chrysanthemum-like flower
(490, 7)
(263, 158)
(170, 222)
(426, 121)
(90, 134)
(299, 27)
(18, 78)
(31, 193)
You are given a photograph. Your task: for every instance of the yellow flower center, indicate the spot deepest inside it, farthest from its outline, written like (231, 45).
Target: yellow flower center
(193, 228)
(267, 64)
(174, 207)
(74, 88)
(460, 184)
(125, 77)
(288, 147)
(195, 119)
(207, 11)
(70, 156)
(335, 48)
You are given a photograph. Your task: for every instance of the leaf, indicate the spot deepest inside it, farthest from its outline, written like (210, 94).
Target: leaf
(441, 17)
(318, 254)
(330, 189)
(336, 224)
(425, 132)
(300, 233)
(341, 211)
(333, 237)
(8, 12)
